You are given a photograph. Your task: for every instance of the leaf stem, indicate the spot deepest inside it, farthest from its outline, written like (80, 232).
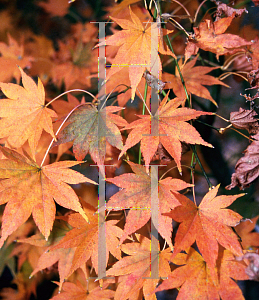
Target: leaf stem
(247, 137)
(202, 169)
(215, 128)
(112, 92)
(193, 163)
(70, 91)
(222, 118)
(193, 147)
(143, 112)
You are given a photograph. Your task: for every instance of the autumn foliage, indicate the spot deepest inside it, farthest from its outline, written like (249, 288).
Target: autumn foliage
(110, 187)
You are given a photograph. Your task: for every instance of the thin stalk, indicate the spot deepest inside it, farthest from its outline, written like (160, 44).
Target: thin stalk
(189, 103)
(112, 92)
(202, 169)
(143, 112)
(215, 128)
(247, 137)
(197, 11)
(172, 169)
(70, 91)
(193, 163)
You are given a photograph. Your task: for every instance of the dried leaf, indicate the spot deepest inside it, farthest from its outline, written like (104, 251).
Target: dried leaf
(227, 10)
(244, 119)
(247, 168)
(210, 36)
(253, 268)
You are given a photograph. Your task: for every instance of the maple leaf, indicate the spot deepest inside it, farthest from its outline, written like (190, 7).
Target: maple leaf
(246, 232)
(195, 78)
(29, 188)
(244, 119)
(90, 129)
(80, 292)
(83, 241)
(41, 48)
(194, 277)
(55, 7)
(135, 50)
(26, 106)
(246, 169)
(47, 259)
(11, 56)
(74, 62)
(230, 270)
(134, 269)
(208, 224)
(136, 195)
(210, 36)
(172, 130)
(122, 77)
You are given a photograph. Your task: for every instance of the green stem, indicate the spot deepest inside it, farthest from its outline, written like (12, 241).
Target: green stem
(202, 169)
(193, 147)
(143, 112)
(218, 129)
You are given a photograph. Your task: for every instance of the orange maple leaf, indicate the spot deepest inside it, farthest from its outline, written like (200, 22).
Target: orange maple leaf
(136, 195)
(134, 269)
(83, 240)
(208, 224)
(194, 277)
(230, 270)
(29, 188)
(210, 36)
(55, 7)
(90, 129)
(47, 259)
(26, 106)
(75, 61)
(119, 82)
(11, 56)
(135, 50)
(195, 78)
(78, 291)
(245, 230)
(172, 130)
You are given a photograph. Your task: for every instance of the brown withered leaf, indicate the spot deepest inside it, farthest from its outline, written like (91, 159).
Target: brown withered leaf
(153, 82)
(244, 119)
(253, 78)
(253, 268)
(227, 10)
(210, 36)
(247, 167)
